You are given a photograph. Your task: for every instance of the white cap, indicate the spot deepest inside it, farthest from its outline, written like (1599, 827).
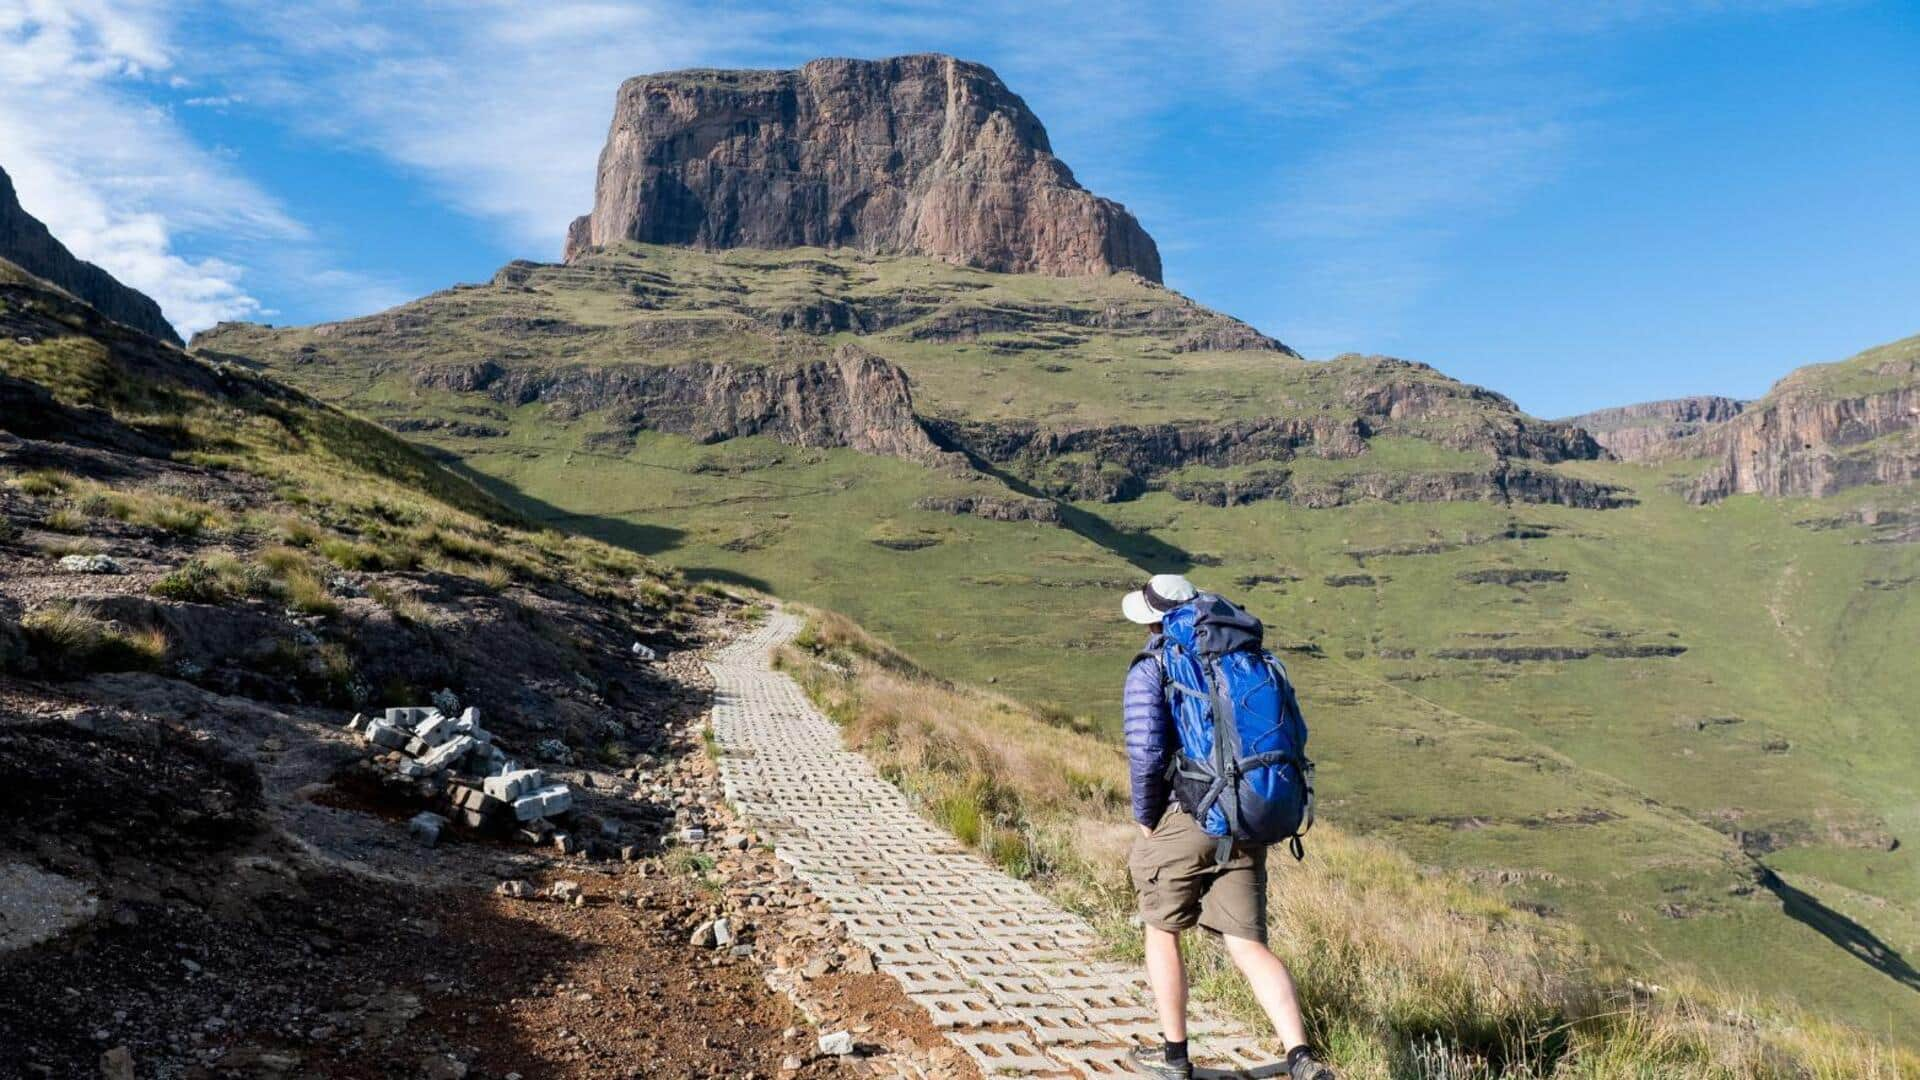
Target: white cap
(1163, 593)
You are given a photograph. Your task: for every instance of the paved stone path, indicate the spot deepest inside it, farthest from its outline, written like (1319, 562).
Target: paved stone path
(1003, 970)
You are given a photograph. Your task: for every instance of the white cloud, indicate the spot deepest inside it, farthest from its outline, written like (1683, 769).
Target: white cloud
(503, 108)
(112, 175)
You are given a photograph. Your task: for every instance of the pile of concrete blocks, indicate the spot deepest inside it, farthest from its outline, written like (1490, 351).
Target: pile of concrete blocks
(482, 787)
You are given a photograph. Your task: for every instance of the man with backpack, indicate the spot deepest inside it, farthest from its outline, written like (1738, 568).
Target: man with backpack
(1217, 751)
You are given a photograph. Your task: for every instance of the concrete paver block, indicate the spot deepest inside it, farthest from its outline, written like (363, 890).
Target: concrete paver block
(512, 785)
(546, 802)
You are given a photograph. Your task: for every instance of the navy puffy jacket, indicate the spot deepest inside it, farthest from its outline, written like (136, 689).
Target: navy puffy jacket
(1151, 739)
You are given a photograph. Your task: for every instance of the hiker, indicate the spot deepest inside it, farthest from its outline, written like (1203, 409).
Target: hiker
(1201, 857)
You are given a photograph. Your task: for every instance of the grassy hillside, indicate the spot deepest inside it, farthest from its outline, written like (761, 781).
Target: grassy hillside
(1682, 728)
(358, 569)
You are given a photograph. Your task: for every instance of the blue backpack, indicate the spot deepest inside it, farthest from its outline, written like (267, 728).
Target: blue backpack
(1242, 770)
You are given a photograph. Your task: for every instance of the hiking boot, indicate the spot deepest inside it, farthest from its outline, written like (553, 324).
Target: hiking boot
(1308, 1067)
(1152, 1061)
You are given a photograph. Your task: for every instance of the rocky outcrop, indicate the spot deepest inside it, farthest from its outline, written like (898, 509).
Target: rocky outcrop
(924, 155)
(851, 399)
(26, 243)
(1502, 483)
(1820, 430)
(1199, 329)
(1648, 431)
(993, 507)
(1814, 445)
(1116, 462)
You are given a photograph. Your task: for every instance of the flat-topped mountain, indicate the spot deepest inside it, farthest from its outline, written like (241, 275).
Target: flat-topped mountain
(917, 155)
(26, 243)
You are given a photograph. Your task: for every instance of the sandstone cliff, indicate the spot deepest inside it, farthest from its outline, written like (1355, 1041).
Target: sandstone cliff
(1820, 430)
(922, 154)
(26, 243)
(1647, 431)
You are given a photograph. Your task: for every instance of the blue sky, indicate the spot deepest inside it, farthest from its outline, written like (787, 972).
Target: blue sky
(1574, 204)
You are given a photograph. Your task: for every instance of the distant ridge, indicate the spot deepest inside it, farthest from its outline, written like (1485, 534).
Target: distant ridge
(1645, 431)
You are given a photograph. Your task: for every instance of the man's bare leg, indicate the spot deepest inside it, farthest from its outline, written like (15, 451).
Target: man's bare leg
(1167, 974)
(1271, 982)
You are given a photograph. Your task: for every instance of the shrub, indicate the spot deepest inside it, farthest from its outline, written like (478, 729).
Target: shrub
(495, 577)
(348, 555)
(404, 607)
(181, 517)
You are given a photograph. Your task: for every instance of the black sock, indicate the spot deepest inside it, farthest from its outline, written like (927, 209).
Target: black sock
(1176, 1051)
(1294, 1055)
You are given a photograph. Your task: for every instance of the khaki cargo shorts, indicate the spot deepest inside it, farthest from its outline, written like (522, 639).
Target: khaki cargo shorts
(1181, 886)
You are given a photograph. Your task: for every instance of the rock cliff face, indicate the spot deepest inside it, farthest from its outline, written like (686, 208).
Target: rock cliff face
(924, 155)
(26, 243)
(1648, 431)
(852, 399)
(1797, 443)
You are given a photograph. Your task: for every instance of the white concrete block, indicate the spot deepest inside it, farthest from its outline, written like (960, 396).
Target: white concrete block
(546, 802)
(515, 784)
(381, 733)
(435, 730)
(449, 753)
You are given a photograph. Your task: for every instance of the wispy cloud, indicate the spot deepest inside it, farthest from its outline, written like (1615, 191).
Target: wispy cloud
(501, 107)
(111, 173)
(1417, 173)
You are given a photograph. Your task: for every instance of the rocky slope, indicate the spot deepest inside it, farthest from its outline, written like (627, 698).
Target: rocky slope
(1647, 431)
(922, 154)
(202, 574)
(1820, 430)
(26, 243)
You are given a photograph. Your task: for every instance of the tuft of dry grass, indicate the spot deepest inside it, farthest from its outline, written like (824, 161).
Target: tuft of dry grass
(64, 519)
(1404, 971)
(214, 578)
(68, 640)
(42, 483)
